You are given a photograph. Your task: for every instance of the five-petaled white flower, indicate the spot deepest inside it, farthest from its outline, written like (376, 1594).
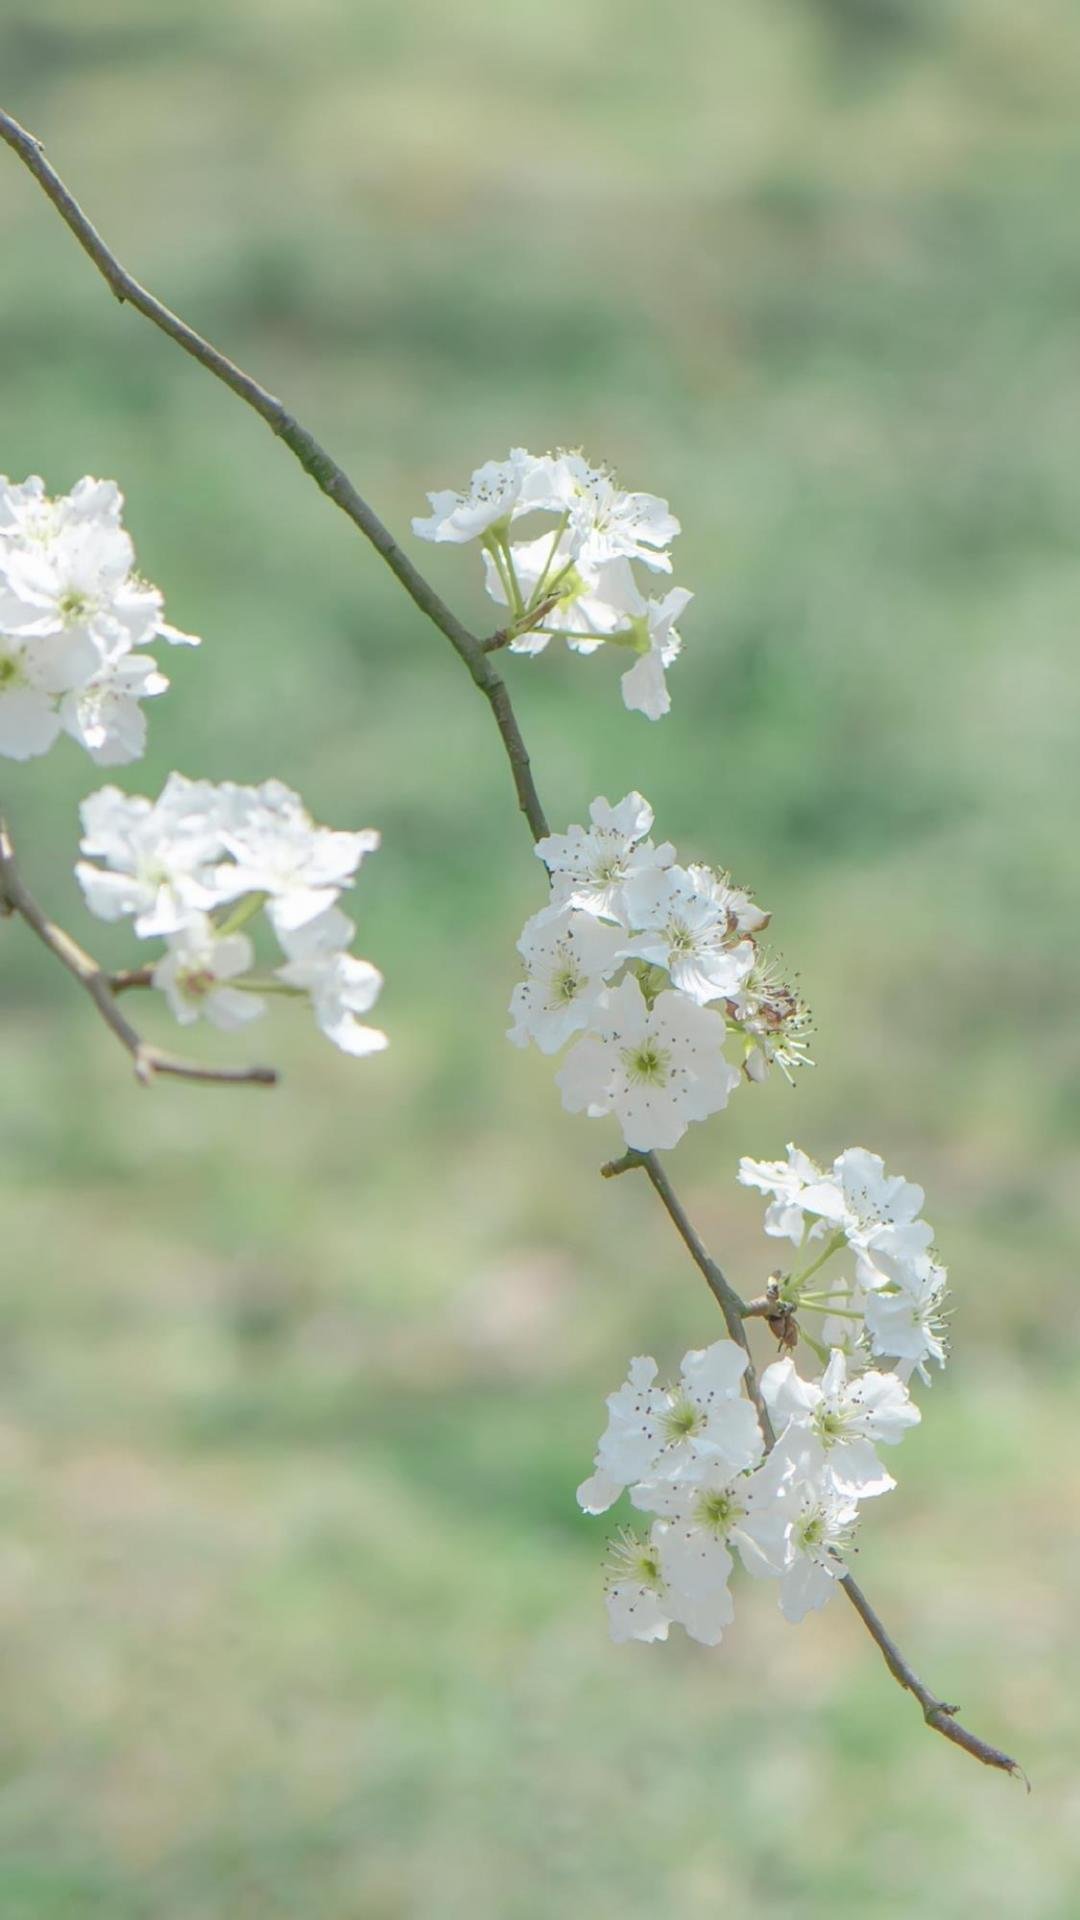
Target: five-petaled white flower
(687, 928)
(497, 490)
(677, 1432)
(841, 1419)
(821, 1525)
(590, 866)
(905, 1318)
(194, 975)
(569, 956)
(655, 1067)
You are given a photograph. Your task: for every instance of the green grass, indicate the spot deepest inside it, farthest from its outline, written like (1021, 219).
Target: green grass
(297, 1614)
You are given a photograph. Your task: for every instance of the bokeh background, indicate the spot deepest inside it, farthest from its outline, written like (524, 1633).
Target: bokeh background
(297, 1614)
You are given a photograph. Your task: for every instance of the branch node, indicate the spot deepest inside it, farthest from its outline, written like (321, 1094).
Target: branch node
(630, 1159)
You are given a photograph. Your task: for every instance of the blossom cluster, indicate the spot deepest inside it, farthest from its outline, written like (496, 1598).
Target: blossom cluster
(693, 1456)
(656, 967)
(73, 614)
(890, 1301)
(573, 579)
(200, 866)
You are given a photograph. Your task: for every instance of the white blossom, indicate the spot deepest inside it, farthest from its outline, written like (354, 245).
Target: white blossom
(340, 984)
(78, 577)
(774, 1020)
(105, 715)
(277, 850)
(497, 490)
(195, 972)
(687, 928)
(877, 1212)
(788, 1181)
(820, 1527)
(158, 855)
(842, 1418)
(654, 639)
(700, 1520)
(589, 866)
(603, 522)
(904, 1319)
(72, 611)
(655, 1067)
(677, 1432)
(642, 1606)
(569, 955)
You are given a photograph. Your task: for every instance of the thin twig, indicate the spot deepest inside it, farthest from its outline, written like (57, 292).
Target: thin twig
(935, 1712)
(314, 459)
(506, 636)
(129, 978)
(334, 482)
(148, 1060)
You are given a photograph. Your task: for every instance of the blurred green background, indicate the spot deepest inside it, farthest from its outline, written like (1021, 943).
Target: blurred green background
(297, 1614)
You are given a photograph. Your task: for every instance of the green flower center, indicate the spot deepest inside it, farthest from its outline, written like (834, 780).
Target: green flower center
(830, 1425)
(11, 673)
(682, 1418)
(718, 1511)
(810, 1531)
(564, 986)
(74, 605)
(680, 938)
(647, 1064)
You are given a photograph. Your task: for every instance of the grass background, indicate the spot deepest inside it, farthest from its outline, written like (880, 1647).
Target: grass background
(297, 1614)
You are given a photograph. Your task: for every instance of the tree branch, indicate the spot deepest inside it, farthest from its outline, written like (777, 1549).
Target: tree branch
(315, 460)
(337, 486)
(148, 1060)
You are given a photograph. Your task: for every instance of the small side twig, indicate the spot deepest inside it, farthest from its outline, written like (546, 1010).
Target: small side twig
(147, 1059)
(506, 636)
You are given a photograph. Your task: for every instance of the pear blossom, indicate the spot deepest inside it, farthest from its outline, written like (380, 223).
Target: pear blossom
(904, 1319)
(677, 1432)
(78, 577)
(642, 1601)
(775, 1022)
(653, 635)
(589, 866)
(604, 522)
(821, 1523)
(195, 972)
(569, 956)
(277, 850)
(72, 612)
(655, 1067)
(340, 984)
(31, 679)
(105, 716)
(788, 1181)
(877, 1212)
(497, 490)
(701, 1519)
(842, 1419)
(158, 855)
(686, 928)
